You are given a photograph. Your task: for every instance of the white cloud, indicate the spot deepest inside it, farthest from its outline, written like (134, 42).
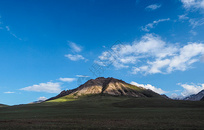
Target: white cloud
(149, 86)
(42, 98)
(48, 87)
(152, 55)
(75, 57)
(190, 89)
(82, 76)
(149, 26)
(75, 47)
(153, 6)
(194, 4)
(187, 56)
(9, 92)
(67, 79)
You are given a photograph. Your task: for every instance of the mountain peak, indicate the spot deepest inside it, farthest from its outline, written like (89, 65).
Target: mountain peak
(110, 86)
(195, 97)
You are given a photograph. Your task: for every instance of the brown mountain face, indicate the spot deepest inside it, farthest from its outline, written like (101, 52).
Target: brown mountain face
(109, 86)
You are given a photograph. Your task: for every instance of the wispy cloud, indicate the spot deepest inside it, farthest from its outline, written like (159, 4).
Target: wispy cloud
(67, 79)
(75, 47)
(48, 87)
(149, 26)
(82, 76)
(183, 17)
(196, 22)
(149, 86)
(193, 32)
(153, 7)
(9, 92)
(152, 55)
(9, 30)
(75, 57)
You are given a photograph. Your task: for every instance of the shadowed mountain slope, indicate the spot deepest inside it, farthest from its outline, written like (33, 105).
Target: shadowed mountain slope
(202, 99)
(195, 97)
(2, 105)
(107, 86)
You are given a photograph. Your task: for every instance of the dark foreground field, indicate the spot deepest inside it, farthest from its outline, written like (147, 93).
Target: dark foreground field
(105, 112)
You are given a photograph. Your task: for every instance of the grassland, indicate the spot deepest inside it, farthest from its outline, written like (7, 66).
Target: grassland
(105, 112)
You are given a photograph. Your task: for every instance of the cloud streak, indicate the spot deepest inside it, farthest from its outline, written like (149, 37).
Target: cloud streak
(75, 47)
(196, 22)
(9, 30)
(48, 87)
(9, 92)
(67, 79)
(149, 26)
(75, 57)
(153, 7)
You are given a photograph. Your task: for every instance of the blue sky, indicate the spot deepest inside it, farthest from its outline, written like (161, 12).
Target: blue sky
(47, 46)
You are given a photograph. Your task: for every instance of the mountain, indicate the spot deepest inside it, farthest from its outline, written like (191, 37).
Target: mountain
(39, 101)
(164, 96)
(107, 86)
(195, 97)
(202, 99)
(2, 105)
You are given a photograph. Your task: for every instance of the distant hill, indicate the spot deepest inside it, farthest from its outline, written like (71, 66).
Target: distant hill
(2, 105)
(195, 97)
(39, 101)
(107, 86)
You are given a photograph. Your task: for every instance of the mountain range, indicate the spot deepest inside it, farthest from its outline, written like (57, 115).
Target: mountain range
(196, 97)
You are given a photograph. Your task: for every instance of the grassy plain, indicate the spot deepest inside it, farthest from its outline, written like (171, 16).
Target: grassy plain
(104, 112)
